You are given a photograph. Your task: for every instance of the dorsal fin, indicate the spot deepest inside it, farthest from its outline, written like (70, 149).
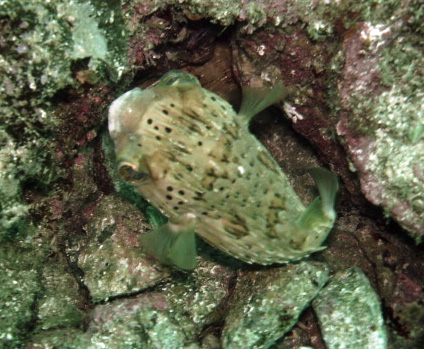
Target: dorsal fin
(257, 99)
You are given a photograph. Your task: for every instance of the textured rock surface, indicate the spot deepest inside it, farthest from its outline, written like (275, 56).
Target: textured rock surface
(110, 260)
(349, 312)
(382, 117)
(19, 290)
(266, 304)
(69, 256)
(61, 303)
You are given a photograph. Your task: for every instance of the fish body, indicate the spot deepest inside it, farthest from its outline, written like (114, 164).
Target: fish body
(187, 151)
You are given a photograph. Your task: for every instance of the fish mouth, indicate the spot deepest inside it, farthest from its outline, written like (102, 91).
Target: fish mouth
(131, 174)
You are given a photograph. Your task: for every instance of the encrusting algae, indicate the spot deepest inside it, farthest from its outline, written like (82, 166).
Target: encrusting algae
(190, 155)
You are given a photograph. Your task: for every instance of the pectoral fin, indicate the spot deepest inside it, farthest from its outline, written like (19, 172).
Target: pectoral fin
(172, 244)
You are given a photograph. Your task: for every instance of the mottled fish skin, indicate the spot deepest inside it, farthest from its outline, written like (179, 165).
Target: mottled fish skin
(190, 155)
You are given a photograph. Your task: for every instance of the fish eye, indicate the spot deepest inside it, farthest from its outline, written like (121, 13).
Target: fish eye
(172, 80)
(178, 77)
(129, 173)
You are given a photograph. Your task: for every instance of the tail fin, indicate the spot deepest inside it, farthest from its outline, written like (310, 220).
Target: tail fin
(328, 185)
(257, 99)
(318, 218)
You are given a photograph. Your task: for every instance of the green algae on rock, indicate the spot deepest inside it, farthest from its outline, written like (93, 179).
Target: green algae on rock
(267, 304)
(141, 322)
(196, 298)
(60, 304)
(19, 290)
(349, 312)
(382, 121)
(36, 295)
(169, 316)
(110, 259)
(40, 42)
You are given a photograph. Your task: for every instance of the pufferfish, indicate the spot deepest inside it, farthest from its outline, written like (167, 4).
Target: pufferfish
(187, 152)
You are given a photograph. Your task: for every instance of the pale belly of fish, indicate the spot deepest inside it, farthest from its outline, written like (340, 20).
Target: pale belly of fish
(186, 151)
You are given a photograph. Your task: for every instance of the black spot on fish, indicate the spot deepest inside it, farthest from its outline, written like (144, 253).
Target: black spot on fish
(149, 121)
(211, 172)
(199, 143)
(198, 196)
(223, 107)
(172, 105)
(236, 226)
(156, 128)
(169, 188)
(213, 98)
(180, 202)
(168, 130)
(225, 158)
(158, 138)
(181, 192)
(193, 115)
(168, 197)
(266, 161)
(176, 208)
(165, 112)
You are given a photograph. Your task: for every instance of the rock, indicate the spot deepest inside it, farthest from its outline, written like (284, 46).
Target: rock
(19, 290)
(61, 303)
(144, 321)
(381, 117)
(170, 316)
(111, 260)
(349, 312)
(267, 304)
